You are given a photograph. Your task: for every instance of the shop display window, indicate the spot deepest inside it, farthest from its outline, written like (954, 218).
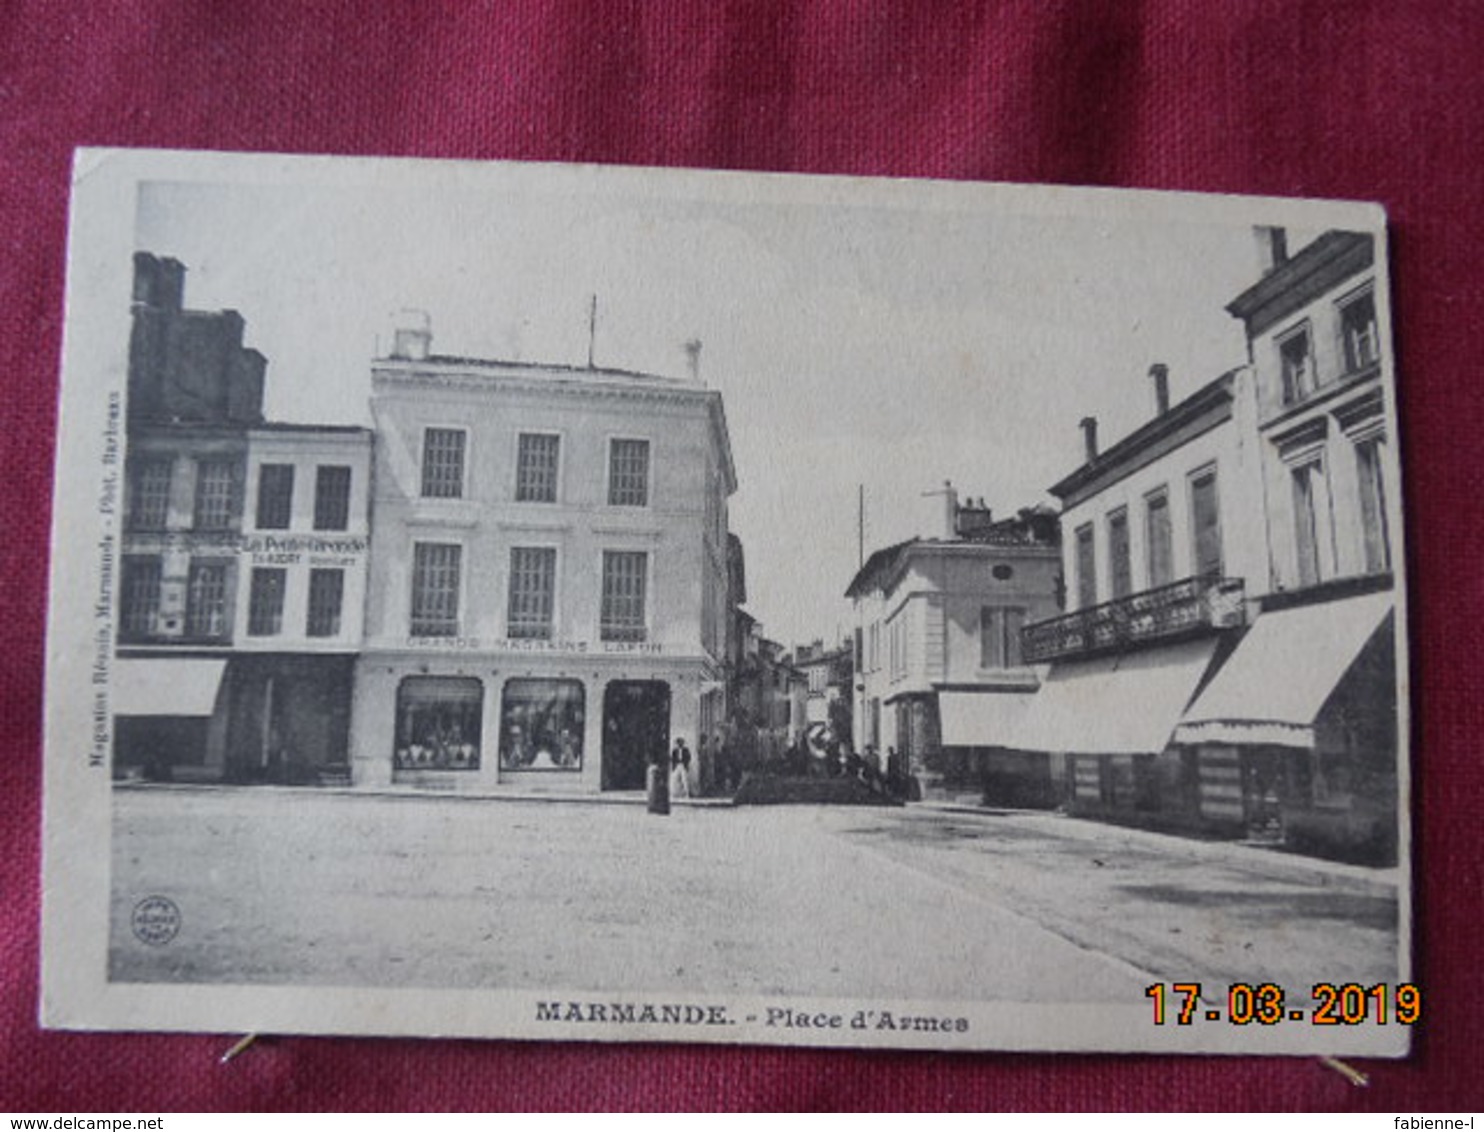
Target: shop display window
(541, 725)
(438, 723)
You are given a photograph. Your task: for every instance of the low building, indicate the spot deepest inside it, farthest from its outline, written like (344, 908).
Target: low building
(549, 594)
(940, 679)
(1162, 531)
(827, 675)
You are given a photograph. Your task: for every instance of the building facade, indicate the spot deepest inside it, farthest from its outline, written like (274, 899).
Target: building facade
(243, 562)
(1163, 530)
(1306, 711)
(827, 676)
(1229, 664)
(549, 592)
(940, 678)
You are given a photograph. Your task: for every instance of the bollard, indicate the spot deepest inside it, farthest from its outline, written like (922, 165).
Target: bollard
(657, 780)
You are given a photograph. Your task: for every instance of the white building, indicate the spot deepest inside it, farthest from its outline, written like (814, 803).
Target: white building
(939, 667)
(549, 586)
(1306, 710)
(1161, 532)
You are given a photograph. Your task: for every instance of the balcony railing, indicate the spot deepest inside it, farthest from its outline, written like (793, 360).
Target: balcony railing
(1184, 608)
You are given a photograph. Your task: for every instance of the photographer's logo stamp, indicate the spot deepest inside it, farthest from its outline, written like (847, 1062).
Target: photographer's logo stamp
(156, 920)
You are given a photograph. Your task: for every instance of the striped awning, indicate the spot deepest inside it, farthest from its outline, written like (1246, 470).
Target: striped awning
(1280, 677)
(1126, 704)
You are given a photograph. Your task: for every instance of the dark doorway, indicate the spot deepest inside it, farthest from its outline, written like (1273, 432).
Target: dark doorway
(636, 728)
(1262, 793)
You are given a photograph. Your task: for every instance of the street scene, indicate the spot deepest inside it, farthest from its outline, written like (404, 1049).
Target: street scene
(930, 904)
(559, 578)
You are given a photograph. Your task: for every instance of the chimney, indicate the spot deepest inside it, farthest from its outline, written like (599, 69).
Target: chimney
(412, 336)
(1159, 373)
(950, 510)
(1272, 247)
(974, 518)
(1090, 437)
(159, 282)
(693, 359)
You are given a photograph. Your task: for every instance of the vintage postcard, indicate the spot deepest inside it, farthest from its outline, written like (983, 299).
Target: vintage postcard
(585, 603)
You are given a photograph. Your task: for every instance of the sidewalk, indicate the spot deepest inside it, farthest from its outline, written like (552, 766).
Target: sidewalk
(509, 794)
(1267, 859)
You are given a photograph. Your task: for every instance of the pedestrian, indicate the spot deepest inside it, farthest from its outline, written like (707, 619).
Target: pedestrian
(680, 770)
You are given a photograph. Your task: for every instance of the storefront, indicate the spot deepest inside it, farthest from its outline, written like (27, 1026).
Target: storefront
(1303, 719)
(163, 711)
(475, 721)
(247, 718)
(1110, 720)
(978, 728)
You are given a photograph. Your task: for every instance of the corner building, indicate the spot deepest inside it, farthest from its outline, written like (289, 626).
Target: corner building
(548, 596)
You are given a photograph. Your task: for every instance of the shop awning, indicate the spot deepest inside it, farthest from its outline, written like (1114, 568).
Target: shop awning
(166, 686)
(982, 719)
(1115, 705)
(1276, 683)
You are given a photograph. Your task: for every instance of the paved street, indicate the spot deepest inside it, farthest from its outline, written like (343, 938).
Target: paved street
(295, 886)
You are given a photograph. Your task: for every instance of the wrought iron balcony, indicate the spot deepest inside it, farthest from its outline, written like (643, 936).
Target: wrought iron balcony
(1181, 609)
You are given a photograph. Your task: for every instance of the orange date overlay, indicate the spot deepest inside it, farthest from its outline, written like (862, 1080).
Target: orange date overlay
(1266, 1004)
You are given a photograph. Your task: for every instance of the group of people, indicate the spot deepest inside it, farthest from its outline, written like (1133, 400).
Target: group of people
(833, 759)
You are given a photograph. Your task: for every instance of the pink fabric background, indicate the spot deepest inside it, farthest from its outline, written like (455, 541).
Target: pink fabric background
(1374, 99)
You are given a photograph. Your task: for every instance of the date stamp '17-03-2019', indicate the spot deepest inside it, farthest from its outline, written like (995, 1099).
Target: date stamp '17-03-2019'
(620, 604)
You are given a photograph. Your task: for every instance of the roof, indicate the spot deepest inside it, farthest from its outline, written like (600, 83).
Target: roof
(554, 368)
(1172, 420)
(299, 426)
(877, 566)
(886, 562)
(1312, 271)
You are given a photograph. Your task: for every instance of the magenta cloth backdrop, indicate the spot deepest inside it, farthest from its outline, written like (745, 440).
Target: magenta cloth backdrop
(1375, 99)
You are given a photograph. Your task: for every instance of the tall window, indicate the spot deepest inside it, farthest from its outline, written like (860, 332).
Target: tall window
(1161, 539)
(150, 506)
(439, 723)
(265, 601)
(999, 637)
(628, 473)
(532, 592)
(541, 725)
(1205, 519)
(1358, 332)
(443, 463)
(1087, 579)
(275, 496)
(215, 480)
(206, 600)
(1310, 519)
(536, 468)
(1368, 460)
(435, 589)
(1296, 358)
(332, 497)
(140, 596)
(624, 579)
(326, 590)
(1118, 554)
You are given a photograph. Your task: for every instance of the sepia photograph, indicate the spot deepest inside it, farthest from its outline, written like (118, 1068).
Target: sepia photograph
(611, 604)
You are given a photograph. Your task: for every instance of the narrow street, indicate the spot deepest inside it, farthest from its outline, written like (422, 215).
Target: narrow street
(300, 887)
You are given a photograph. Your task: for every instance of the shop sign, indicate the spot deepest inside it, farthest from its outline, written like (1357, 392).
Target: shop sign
(555, 648)
(292, 550)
